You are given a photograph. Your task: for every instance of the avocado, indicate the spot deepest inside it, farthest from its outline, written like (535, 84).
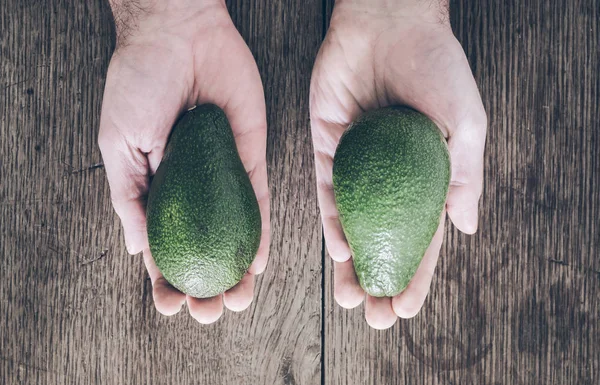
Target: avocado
(391, 173)
(203, 220)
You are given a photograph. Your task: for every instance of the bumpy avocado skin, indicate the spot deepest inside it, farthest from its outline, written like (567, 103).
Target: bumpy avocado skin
(391, 173)
(203, 220)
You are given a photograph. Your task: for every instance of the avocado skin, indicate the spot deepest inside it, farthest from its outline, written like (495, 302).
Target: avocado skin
(203, 219)
(391, 174)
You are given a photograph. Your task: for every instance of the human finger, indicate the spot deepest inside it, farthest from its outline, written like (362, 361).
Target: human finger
(466, 146)
(205, 310)
(127, 172)
(167, 299)
(379, 313)
(240, 296)
(346, 289)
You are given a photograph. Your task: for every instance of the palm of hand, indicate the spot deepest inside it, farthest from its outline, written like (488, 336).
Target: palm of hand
(368, 62)
(150, 82)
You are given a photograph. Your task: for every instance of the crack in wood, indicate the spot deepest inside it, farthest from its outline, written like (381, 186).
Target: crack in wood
(88, 168)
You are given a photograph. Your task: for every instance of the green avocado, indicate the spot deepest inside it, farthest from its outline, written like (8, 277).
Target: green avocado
(391, 174)
(203, 219)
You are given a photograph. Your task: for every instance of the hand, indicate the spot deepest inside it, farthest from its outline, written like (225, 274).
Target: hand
(389, 52)
(170, 56)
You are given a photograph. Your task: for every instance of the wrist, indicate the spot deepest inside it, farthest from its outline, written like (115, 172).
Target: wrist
(147, 5)
(420, 9)
(179, 17)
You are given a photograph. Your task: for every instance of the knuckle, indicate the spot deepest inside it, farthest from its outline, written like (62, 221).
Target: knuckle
(473, 127)
(480, 119)
(103, 141)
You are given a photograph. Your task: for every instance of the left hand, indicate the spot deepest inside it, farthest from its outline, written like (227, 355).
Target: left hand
(170, 56)
(379, 53)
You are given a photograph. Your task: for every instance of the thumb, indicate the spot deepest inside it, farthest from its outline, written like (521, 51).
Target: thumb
(127, 172)
(138, 111)
(466, 146)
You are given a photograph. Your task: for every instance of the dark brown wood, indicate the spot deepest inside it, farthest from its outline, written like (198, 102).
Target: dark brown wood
(515, 304)
(74, 307)
(519, 302)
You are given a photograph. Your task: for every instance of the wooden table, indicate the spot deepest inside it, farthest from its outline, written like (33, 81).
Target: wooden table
(518, 303)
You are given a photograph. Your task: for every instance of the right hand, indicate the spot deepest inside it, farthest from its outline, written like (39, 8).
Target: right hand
(171, 56)
(379, 53)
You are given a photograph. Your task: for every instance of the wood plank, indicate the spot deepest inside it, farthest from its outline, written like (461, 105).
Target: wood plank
(518, 302)
(74, 308)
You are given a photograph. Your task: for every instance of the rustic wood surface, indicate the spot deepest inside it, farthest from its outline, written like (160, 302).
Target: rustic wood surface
(518, 303)
(75, 308)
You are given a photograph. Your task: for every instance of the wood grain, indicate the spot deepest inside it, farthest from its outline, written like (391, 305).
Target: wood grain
(75, 308)
(515, 304)
(518, 302)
